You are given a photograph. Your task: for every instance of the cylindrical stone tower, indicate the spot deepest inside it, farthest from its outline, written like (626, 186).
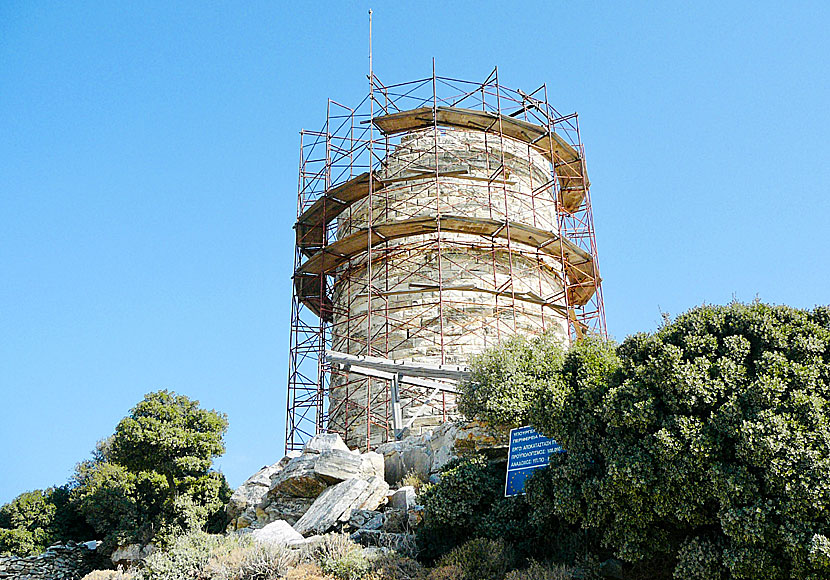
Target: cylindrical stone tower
(428, 235)
(440, 297)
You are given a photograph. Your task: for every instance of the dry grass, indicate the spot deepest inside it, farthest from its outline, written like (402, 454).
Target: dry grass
(110, 575)
(307, 571)
(414, 479)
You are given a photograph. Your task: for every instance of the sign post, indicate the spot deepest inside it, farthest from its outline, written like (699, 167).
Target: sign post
(529, 451)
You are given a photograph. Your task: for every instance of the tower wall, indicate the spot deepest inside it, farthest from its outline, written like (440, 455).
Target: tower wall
(441, 297)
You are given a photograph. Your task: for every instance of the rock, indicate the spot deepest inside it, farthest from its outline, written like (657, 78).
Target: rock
(337, 502)
(358, 518)
(404, 498)
(309, 542)
(336, 465)
(330, 506)
(324, 442)
(393, 467)
(417, 459)
(278, 532)
(372, 464)
(299, 478)
(255, 487)
(285, 508)
(91, 546)
(131, 554)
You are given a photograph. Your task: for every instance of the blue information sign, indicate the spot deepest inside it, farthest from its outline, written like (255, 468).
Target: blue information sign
(529, 451)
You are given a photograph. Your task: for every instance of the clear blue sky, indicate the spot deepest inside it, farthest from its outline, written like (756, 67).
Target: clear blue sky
(148, 158)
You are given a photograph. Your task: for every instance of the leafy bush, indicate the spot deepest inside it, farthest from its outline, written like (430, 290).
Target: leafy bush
(342, 558)
(150, 480)
(189, 556)
(505, 380)
(20, 542)
(480, 559)
(703, 448)
(36, 519)
(537, 571)
(457, 508)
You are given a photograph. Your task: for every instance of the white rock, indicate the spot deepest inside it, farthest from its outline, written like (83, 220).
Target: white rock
(278, 532)
(335, 465)
(324, 442)
(371, 464)
(299, 478)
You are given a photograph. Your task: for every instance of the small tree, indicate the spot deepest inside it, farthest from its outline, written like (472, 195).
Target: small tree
(152, 478)
(35, 519)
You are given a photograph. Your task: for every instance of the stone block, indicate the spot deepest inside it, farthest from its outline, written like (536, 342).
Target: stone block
(299, 478)
(403, 498)
(330, 506)
(324, 442)
(336, 465)
(278, 532)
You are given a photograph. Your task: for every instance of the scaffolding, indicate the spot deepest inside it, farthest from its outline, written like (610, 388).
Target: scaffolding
(435, 219)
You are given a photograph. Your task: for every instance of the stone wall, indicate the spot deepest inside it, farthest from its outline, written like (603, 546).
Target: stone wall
(489, 289)
(59, 562)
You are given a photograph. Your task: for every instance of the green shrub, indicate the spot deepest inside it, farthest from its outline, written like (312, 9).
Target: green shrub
(457, 507)
(342, 558)
(189, 556)
(703, 448)
(36, 519)
(480, 559)
(505, 380)
(150, 480)
(468, 502)
(537, 571)
(20, 542)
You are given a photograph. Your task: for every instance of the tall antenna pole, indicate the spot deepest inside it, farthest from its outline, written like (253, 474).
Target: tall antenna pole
(370, 51)
(369, 224)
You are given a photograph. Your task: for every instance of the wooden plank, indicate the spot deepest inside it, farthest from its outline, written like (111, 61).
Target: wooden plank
(311, 225)
(564, 157)
(578, 264)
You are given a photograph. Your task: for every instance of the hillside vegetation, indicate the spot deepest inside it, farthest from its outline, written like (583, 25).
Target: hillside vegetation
(698, 452)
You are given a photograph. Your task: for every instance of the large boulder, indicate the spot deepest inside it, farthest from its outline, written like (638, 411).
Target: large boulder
(337, 502)
(426, 454)
(278, 532)
(336, 465)
(324, 442)
(253, 490)
(299, 478)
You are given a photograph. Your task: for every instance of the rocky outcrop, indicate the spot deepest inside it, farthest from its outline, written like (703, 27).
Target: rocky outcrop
(131, 554)
(428, 453)
(328, 486)
(59, 562)
(337, 503)
(310, 482)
